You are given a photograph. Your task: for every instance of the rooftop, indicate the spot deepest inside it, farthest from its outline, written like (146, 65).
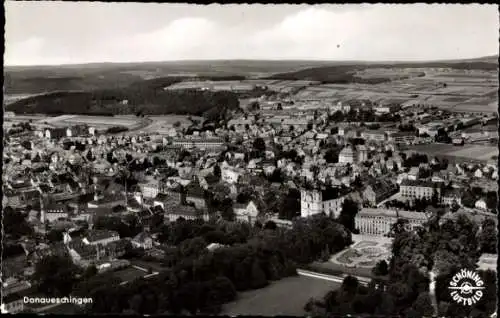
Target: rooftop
(98, 235)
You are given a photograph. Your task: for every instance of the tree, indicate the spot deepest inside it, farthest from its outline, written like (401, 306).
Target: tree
(55, 275)
(55, 236)
(381, 268)
(488, 237)
(270, 225)
(259, 144)
(347, 214)
(90, 271)
(14, 223)
(423, 305)
(217, 171)
(177, 124)
(332, 155)
(258, 276)
(468, 199)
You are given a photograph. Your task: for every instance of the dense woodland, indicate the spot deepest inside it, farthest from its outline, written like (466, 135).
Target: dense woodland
(345, 74)
(141, 98)
(199, 280)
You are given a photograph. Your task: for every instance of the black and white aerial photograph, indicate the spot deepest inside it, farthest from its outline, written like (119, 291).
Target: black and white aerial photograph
(312, 160)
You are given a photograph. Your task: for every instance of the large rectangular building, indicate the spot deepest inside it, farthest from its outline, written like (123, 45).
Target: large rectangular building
(379, 221)
(199, 143)
(401, 137)
(418, 189)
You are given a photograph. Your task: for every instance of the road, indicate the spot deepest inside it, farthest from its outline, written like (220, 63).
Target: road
(332, 278)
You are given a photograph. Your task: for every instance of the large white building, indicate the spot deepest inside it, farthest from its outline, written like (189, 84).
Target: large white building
(419, 189)
(317, 201)
(379, 221)
(200, 143)
(353, 155)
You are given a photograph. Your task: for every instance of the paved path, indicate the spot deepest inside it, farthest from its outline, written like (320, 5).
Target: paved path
(338, 279)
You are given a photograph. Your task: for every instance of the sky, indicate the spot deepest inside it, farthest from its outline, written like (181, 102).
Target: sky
(50, 33)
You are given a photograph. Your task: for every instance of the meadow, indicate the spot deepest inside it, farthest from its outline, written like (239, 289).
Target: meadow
(475, 152)
(285, 297)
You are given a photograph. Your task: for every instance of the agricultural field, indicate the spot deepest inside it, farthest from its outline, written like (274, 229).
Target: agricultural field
(95, 121)
(161, 124)
(285, 297)
(474, 152)
(475, 108)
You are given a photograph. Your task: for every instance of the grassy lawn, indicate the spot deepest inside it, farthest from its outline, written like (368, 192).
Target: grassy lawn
(129, 274)
(286, 297)
(156, 266)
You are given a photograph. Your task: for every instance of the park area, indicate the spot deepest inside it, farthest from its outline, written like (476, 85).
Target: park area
(364, 253)
(358, 259)
(285, 297)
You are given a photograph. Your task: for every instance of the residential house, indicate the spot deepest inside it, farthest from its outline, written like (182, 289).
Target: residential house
(185, 211)
(101, 237)
(478, 173)
(230, 174)
(143, 240)
(414, 173)
(378, 191)
(151, 188)
(53, 212)
(246, 212)
(165, 201)
(451, 196)
(83, 254)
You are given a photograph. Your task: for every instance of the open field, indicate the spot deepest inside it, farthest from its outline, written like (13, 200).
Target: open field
(475, 152)
(95, 121)
(474, 108)
(161, 124)
(286, 297)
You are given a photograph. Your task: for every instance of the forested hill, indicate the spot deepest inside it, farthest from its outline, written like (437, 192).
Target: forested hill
(344, 74)
(145, 97)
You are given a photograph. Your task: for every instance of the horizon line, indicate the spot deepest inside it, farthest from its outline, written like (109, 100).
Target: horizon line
(261, 60)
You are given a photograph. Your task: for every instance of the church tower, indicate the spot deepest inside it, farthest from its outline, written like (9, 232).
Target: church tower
(42, 209)
(311, 202)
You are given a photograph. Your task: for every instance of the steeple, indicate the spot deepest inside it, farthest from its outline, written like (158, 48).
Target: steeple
(42, 209)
